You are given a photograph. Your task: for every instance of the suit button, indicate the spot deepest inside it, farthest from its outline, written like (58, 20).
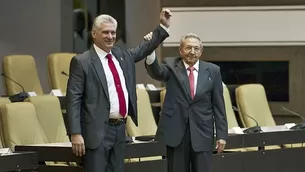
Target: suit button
(106, 122)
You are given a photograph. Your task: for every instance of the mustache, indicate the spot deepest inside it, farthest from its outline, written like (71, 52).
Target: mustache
(191, 56)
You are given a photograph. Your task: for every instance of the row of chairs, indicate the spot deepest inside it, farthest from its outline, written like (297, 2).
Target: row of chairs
(22, 69)
(37, 120)
(251, 101)
(146, 121)
(248, 98)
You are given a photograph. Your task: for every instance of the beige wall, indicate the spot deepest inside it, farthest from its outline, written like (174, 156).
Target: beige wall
(240, 26)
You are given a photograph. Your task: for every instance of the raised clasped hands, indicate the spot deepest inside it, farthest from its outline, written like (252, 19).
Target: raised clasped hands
(148, 36)
(165, 16)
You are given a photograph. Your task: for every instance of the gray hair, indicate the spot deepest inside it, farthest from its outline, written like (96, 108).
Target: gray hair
(104, 18)
(190, 35)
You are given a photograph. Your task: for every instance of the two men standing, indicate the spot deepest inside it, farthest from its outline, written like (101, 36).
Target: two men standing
(101, 92)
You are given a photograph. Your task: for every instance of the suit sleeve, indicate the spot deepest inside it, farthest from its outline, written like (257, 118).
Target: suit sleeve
(74, 96)
(219, 107)
(157, 71)
(147, 47)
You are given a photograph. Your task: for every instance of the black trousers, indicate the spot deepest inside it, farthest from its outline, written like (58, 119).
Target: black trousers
(109, 156)
(184, 159)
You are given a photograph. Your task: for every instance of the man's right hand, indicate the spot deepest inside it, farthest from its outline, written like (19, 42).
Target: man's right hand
(148, 37)
(78, 145)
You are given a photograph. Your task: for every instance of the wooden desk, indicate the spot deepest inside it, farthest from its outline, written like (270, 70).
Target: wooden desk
(265, 139)
(25, 161)
(277, 160)
(62, 152)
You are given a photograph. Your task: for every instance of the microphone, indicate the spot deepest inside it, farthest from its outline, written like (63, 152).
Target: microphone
(64, 73)
(2, 74)
(19, 97)
(255, 129)
(298, 126)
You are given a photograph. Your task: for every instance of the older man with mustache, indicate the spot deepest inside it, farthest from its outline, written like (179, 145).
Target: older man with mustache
(193, 104)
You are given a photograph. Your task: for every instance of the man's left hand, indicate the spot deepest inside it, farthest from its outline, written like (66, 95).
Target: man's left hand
(220, 145)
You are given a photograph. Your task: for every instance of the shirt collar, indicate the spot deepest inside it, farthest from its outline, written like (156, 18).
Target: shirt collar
(101, 53)
(196, 65)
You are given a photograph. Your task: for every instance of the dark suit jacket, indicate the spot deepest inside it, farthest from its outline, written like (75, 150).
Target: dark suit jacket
(206, 108)
(88, 105)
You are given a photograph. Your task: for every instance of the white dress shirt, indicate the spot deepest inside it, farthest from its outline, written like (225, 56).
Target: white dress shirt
(113, 96)
(151, 58)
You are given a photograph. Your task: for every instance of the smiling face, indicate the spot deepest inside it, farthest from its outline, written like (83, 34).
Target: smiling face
(104, 32)
(104, 36)
(190, 49)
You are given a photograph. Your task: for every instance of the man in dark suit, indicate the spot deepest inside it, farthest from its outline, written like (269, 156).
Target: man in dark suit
(193, 104)
(101, 92)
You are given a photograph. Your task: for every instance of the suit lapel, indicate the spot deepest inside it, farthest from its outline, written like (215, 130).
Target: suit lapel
(203, 76)
(120, 59)
(182, 74)
(97, 64)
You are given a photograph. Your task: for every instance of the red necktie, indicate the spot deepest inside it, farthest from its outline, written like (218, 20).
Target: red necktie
(191, 80)
(118, 86)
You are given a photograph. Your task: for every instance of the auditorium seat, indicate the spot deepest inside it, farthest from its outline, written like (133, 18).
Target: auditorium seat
(146, 121)
(3, 100)
(22, 69)
(20, 125)
(162, 96)
(231, 118)
(58, 69)
(1, 144)
(251, 100)
(49, 115)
